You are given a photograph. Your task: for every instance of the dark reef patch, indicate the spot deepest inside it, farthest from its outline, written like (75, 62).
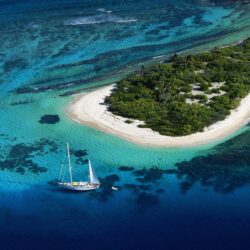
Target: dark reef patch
(225, 169)
(149, 175)
(21, 102)
(126, 168)
(80, 156)
(105, 191)
(49, 119)
(19, 157)
(152, 174)
(35, 88)
(140, 172)
(80, 153)
(18, 63)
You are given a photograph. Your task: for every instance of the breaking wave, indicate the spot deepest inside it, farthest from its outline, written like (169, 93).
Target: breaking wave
(100, 18)
(105, 11)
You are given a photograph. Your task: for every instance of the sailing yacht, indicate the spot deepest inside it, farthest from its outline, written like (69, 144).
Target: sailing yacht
(92, 184)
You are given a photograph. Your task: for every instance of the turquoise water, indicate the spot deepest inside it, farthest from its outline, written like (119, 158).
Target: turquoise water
(196, 197)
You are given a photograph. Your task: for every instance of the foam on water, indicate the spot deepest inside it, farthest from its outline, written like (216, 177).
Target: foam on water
(97, 19)
(103, 10)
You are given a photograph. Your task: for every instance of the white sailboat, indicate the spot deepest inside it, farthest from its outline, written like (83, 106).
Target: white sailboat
(92, 184)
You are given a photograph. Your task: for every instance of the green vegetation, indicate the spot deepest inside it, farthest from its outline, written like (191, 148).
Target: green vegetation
(188, 93)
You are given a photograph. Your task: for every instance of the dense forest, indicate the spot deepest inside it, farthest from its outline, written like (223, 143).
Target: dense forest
(187, 93)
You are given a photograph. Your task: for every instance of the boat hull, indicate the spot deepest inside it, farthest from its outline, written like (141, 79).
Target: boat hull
(78, 186)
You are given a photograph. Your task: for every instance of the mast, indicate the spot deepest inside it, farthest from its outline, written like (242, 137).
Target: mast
(70, 167)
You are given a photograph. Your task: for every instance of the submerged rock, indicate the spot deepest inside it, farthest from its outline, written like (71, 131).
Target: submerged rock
(49, 119)
(126, 168)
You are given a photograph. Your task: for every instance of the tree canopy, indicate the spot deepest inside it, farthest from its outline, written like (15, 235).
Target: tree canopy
(188, 93)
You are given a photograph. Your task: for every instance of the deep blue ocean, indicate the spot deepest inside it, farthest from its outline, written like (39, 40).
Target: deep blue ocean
(185, 198)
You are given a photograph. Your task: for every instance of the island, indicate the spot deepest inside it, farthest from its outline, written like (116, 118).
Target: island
(188, 100)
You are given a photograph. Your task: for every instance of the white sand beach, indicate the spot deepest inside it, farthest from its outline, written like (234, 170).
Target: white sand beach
(88, 109)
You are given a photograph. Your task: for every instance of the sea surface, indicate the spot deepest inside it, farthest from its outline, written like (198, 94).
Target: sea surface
(183, 198)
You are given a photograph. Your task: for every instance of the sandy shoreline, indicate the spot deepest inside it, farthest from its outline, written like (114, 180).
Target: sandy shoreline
(86, 109)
